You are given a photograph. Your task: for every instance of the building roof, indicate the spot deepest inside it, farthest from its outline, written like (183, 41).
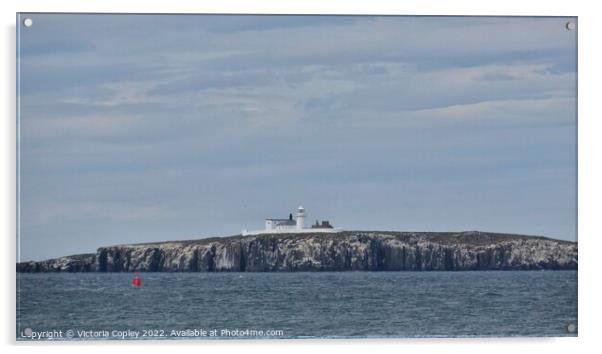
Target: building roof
(283, 221)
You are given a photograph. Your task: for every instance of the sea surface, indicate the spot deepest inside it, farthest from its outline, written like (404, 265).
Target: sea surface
(100, 306)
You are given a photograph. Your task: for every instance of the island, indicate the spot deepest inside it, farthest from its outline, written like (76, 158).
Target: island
(341, 251)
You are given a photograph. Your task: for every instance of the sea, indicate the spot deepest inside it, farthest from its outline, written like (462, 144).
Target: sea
(206, 306)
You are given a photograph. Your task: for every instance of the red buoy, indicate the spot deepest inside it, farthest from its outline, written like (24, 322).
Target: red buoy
(136, 281)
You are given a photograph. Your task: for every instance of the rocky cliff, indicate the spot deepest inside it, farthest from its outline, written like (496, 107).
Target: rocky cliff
(349, 250)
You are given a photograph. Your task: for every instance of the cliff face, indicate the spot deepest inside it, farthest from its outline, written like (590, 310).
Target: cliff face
(76, 263)
(350, 250)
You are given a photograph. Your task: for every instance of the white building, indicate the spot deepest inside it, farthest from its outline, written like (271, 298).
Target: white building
(291, 225)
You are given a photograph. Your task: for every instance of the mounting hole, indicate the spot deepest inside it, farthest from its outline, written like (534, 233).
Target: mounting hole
(28, 22)
(572, 328)
(570, 26)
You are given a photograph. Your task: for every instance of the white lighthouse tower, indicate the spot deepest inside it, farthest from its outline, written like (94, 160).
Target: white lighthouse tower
(300, 218)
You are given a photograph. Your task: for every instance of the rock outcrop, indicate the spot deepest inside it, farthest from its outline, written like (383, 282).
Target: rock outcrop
(76, 263)
(349, 250)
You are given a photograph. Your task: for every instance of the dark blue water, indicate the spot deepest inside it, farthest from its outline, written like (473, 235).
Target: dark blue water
(298, 305)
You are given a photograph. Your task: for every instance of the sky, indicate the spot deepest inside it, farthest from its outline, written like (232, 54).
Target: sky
(136, 128)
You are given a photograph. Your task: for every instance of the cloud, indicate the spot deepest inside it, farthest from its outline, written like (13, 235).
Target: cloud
(138, 128)
(79, 126)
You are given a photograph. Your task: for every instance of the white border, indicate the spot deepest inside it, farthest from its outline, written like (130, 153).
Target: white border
(590, 174)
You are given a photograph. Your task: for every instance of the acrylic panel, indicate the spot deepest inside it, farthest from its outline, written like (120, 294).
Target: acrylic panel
(288, 177)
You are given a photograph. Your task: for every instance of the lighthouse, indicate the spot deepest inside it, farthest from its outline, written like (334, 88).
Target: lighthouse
(300, 218)
(293, 226)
